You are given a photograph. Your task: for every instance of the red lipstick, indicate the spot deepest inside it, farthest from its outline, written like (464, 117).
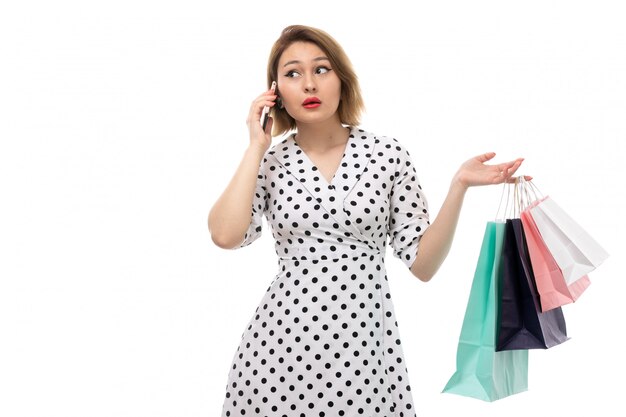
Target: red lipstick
(311, 103)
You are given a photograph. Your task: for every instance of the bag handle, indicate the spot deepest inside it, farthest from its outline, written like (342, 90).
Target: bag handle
(509, 202)
(521, 199)
(526, 198)
(536, 193)
(519, 196)
(504, 186)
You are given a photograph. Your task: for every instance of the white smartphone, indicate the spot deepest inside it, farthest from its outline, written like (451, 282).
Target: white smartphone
(266, 110)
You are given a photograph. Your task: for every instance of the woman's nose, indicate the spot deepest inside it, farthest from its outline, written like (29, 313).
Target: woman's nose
(309, 85)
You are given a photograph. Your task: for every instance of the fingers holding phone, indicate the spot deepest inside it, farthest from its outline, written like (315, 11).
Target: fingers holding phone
(258, 121)
(265, 115)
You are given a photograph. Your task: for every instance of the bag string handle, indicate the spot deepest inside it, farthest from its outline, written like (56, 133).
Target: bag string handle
(537, 194)
(509, 202)
(521, 195)
(504, 187)
(525, 197)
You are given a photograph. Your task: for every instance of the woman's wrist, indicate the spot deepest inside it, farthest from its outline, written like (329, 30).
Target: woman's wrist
(458, 185)
(255, 151)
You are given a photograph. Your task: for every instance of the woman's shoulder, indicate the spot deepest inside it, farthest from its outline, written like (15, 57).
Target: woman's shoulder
(281, 144)
(388, 142)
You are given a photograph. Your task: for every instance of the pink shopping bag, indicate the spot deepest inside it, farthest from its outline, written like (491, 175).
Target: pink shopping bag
(553, 290)
(574, 250)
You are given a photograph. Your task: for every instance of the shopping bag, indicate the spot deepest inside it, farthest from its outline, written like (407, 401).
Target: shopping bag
(521, 324)
(552, 288)
(481, 372)
(574, 250)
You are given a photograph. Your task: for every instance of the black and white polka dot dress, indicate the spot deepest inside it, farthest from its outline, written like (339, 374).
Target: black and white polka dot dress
(324, 340)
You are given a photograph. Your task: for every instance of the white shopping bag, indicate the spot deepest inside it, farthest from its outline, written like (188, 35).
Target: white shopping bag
(574, 250)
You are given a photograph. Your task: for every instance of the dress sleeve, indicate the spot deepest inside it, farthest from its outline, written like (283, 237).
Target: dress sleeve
(408, 217)
(259, 204)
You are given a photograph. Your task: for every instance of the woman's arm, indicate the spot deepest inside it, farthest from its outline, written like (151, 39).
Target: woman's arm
(230, 216)
(437, 239)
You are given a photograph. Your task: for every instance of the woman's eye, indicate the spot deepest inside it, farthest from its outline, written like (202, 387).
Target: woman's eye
(292, 74)
(322, 70)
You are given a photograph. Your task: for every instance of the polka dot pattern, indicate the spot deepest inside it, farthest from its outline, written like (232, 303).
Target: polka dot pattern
(324, 340)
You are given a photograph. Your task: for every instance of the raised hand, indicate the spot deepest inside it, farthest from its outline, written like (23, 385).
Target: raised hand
(258, 137)
(475, 171)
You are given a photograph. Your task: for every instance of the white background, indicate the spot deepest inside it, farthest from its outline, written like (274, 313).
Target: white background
(122, 121)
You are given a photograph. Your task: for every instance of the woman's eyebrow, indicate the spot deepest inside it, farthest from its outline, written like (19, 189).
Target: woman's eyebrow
(295, 61)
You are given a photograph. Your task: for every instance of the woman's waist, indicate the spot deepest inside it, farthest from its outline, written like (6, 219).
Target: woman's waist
(325, 256)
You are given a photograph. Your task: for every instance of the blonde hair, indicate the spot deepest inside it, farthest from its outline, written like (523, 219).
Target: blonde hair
(350, 104)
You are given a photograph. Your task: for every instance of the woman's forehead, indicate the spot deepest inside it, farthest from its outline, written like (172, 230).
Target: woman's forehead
(301, 52)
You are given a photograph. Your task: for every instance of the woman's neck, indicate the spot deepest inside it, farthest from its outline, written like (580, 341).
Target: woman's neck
(320, 137)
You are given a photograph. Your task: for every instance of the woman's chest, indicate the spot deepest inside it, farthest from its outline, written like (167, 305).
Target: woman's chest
(298, 202)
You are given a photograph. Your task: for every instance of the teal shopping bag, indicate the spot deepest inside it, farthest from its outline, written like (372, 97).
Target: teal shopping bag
(481, 372)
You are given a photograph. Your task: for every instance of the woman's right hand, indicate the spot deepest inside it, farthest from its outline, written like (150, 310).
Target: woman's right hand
(258, 138)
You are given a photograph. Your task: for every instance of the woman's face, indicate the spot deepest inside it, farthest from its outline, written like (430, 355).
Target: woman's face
(308, 86)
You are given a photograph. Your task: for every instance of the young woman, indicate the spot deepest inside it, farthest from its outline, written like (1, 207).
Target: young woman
(324, 339)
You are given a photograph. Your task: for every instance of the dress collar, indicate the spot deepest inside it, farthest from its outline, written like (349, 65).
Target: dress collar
(330, 196)
(357, 155)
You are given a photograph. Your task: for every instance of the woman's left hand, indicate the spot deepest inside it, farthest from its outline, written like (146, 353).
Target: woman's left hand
(475, 172)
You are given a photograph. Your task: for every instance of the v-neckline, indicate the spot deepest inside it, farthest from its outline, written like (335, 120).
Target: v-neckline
(341, 160)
